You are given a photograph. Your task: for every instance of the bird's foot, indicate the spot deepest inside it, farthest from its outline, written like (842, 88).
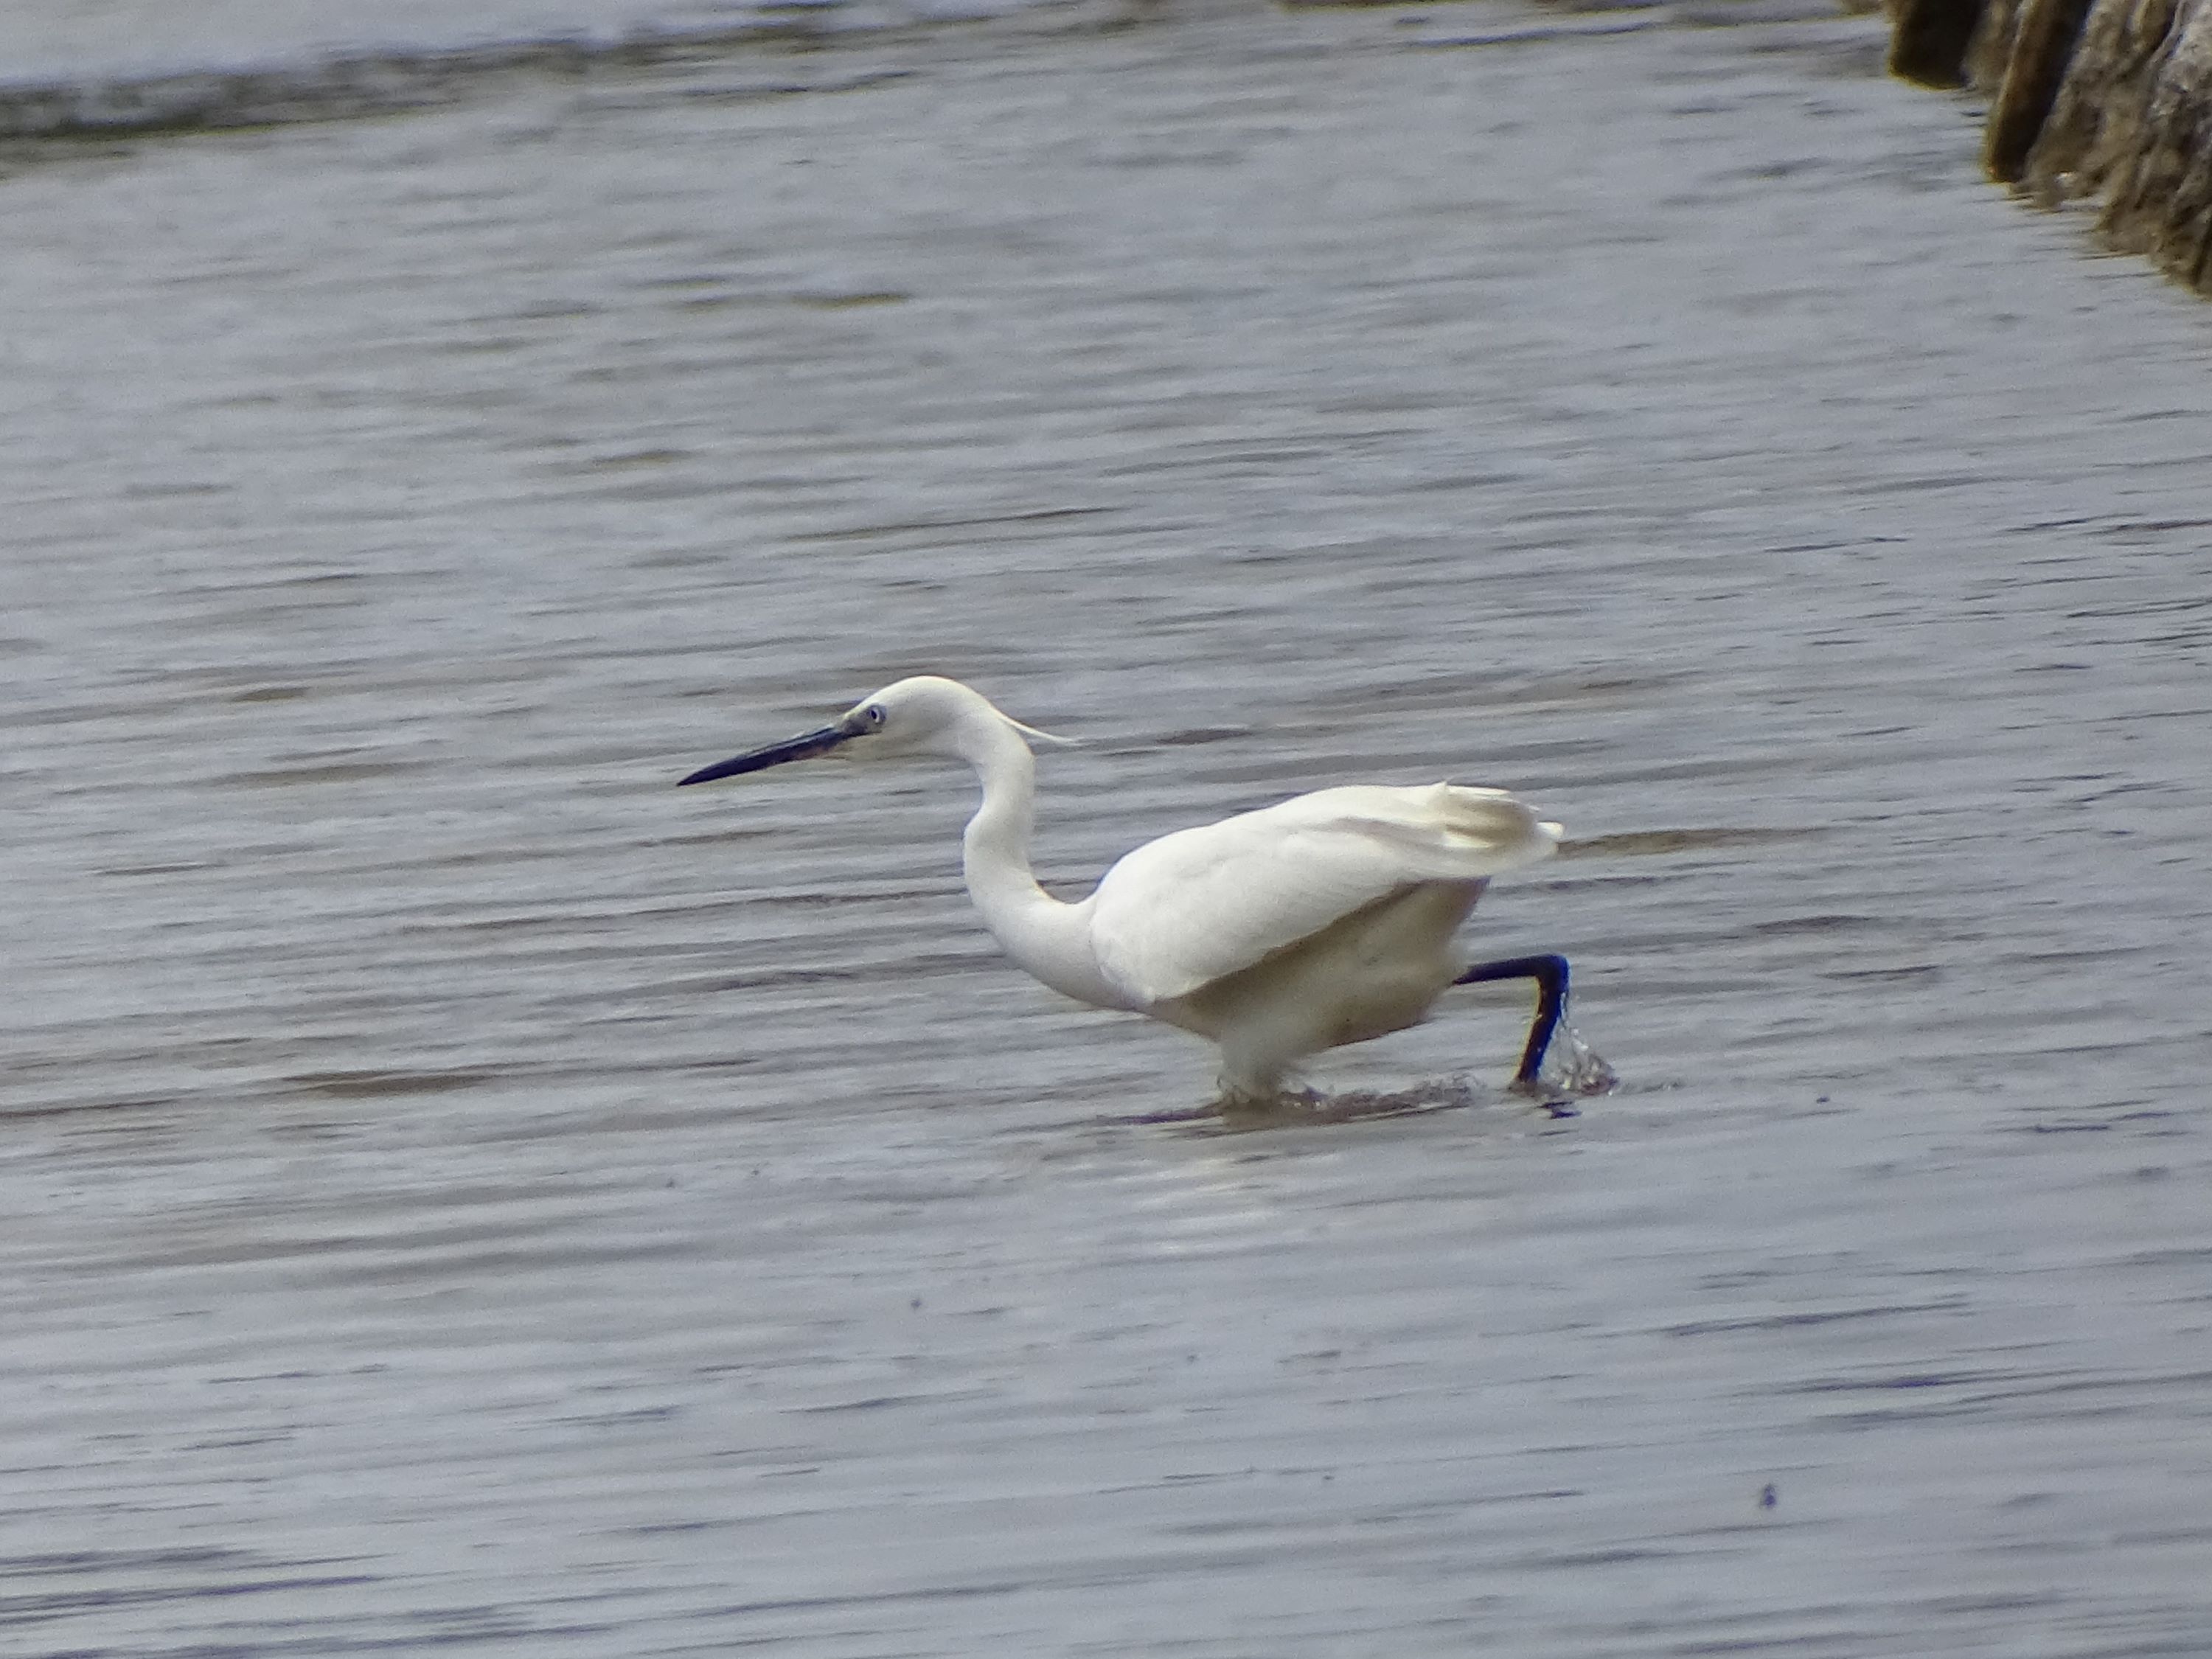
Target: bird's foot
(1548, 1095)
(1565, 1067)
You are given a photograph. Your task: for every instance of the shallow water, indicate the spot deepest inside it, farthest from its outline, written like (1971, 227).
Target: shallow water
(467, 1194)
(106, 41)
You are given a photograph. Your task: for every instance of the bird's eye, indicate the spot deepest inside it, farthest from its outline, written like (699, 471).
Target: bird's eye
(873, 713)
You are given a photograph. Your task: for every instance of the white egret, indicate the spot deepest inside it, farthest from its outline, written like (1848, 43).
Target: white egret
(1326, 920)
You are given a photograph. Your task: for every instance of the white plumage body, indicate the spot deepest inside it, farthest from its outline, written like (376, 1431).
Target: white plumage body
(1326, 920)
(1329, 918)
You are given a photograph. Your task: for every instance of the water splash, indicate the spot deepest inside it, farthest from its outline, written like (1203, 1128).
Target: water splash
(1571, 1071)
(1305, 1106)
(1572, 1066)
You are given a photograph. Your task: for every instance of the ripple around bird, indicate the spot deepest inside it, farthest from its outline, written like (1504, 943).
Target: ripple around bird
(466, 1194)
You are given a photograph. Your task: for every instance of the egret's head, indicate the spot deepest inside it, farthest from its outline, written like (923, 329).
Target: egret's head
(926, 715)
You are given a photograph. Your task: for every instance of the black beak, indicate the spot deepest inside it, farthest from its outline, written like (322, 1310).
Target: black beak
(791, 749)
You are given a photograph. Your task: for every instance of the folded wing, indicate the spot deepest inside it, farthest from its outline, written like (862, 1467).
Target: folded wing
(1186, 909)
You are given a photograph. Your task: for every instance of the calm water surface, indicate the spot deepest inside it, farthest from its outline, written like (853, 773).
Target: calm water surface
(465, 1195)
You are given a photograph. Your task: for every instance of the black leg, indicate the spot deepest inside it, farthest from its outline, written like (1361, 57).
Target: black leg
(1550, 973)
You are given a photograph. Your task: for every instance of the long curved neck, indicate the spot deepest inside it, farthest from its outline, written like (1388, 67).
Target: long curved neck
(996, 848)
(1046, 938)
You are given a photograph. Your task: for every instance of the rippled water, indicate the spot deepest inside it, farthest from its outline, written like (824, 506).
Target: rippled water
(92, 41)
(464, 1194)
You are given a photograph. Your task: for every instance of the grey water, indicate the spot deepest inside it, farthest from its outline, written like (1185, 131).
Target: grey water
(96, 42)
(463, 1194)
